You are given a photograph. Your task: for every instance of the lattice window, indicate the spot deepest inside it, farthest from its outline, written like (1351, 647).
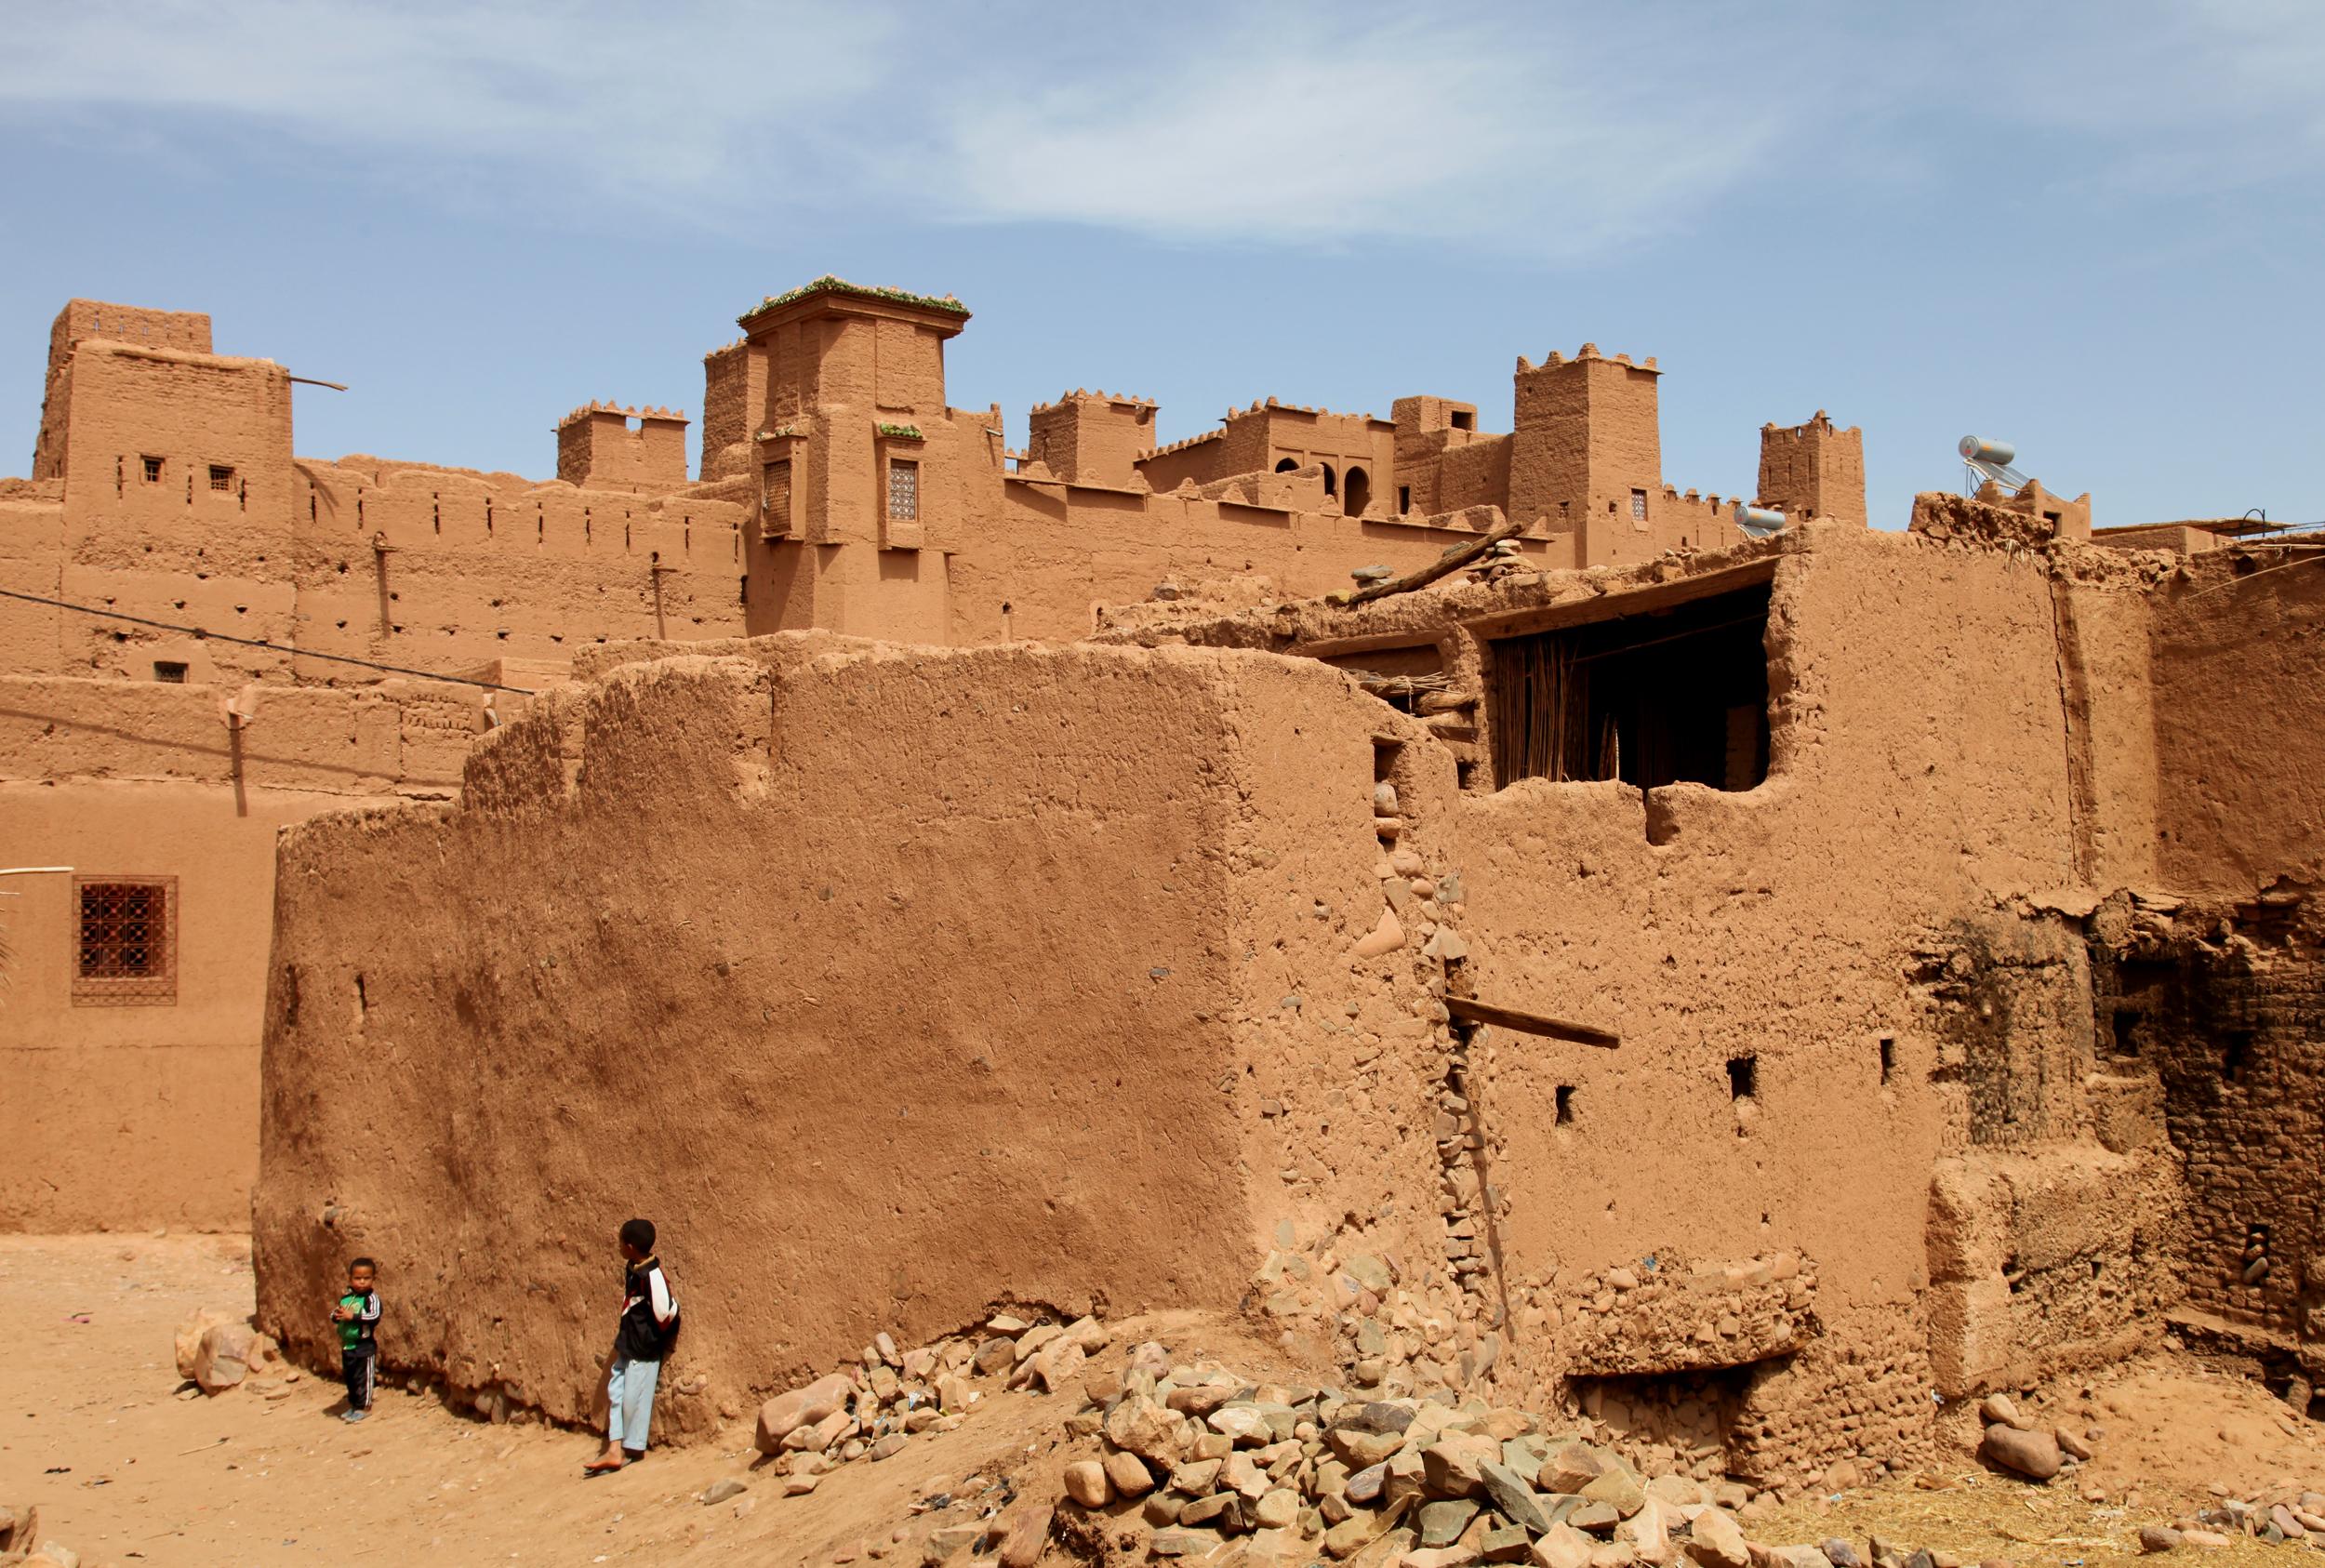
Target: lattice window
(222, 477)
(1638, 506)
(152, 471)
(127, 951)
(774, 491)
(903, 489)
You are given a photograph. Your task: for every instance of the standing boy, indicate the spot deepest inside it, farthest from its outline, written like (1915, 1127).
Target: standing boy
(358, 1317)
(648, 1328)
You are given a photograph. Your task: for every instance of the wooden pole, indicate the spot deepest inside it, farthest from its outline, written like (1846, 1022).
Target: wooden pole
(1453, 560)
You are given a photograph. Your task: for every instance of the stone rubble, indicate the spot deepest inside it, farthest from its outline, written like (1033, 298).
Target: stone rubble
(216, 1353)
(20, 1527)
(1225, 1468)
(873, 1408)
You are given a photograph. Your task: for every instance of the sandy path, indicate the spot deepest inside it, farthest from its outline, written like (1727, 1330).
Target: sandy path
(122, 1470)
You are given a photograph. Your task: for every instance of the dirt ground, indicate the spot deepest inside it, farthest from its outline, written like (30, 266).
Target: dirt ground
(124, 1468)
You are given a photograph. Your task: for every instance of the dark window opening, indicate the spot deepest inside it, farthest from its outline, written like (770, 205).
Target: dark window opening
(1889, 1056)
(1742, 1077)
(152, 471)
(1358, 493)
(1668, 696)
(1566, 1105)
(1287, 465)
(1332, 481)
(2236, 1055)
(169, 670)
(1464, 418)
(124, 952)
(222, 477)
(775, 498)
(1404, 499)
(2123, 1031)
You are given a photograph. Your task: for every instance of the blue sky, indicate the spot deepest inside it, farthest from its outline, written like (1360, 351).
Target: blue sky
(2088, 228)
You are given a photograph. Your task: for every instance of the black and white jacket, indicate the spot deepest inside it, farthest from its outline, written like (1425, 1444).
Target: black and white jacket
(649, 1313)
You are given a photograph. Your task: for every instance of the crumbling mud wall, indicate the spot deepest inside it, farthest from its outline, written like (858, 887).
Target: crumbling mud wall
(1853, 1149)
(1832, 992)
(979, 1003)
(2239, 642)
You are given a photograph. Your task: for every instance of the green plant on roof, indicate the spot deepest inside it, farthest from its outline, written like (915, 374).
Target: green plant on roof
(830, 285)
(899, 433)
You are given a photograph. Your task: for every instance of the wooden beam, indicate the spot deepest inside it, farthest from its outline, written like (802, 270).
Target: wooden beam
(1453, 560)
(1476, 1011)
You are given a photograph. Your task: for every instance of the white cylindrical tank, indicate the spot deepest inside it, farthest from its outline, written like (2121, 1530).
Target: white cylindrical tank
(1977, 449)
(1757, 522)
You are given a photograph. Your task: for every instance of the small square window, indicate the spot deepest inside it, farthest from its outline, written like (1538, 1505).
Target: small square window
(125, 951)
(152, 471)
(170, 671)
(222, 477)
(1463, 419)
(1638, 506)
(903, 489)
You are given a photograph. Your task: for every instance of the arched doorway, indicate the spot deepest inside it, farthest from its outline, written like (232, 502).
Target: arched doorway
(1332, 481)
(1287, 465)
(1358, 493)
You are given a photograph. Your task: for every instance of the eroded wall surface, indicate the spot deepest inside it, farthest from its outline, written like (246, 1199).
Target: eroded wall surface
(973, 1007)
(1856, 1144)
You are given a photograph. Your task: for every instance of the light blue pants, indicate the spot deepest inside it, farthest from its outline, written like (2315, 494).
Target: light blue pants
(629, 1402)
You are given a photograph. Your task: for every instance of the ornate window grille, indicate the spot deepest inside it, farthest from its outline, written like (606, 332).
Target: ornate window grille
(903, 489)
(125, 951)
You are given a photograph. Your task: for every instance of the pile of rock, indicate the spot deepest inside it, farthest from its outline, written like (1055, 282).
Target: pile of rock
(18, 1529)
(1503, 560)
(2289, 1515)
(1190, 1458)
(2019, 1443)
(216, 1353)
(873, 1408)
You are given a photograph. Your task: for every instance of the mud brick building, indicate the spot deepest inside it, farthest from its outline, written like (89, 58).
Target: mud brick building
(1755, 991)
(838, 490)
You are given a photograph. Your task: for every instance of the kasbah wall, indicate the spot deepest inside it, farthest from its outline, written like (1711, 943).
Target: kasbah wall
(1699, 981)
(837, 490)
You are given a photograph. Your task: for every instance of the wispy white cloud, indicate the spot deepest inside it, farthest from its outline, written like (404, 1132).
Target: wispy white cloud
(615, 99)
(1308, 125)
(1553, 129)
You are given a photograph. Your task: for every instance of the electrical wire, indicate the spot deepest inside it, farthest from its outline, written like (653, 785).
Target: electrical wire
(202, 634)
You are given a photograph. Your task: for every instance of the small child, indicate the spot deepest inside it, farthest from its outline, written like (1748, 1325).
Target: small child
(358, 1317)
(648, 1330)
